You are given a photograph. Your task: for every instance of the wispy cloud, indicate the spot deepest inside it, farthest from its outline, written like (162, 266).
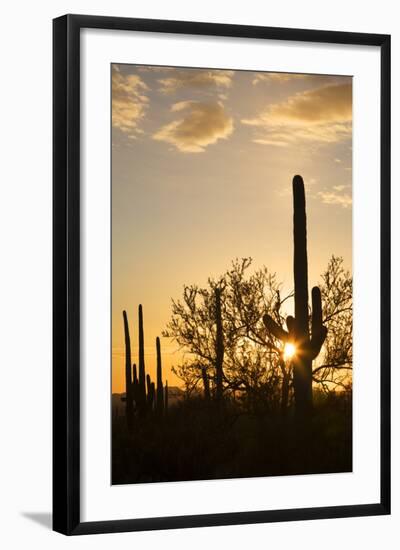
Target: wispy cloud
(153, 69)
(326, 104)
(279, 77)
(199, 79)
(320, 115)
(336, 197)
(129, 102)
(283, 78)
(201, 124)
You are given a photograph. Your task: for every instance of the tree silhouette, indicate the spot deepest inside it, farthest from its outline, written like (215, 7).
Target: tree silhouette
(334, 370)
(250, 356)
(254, 369)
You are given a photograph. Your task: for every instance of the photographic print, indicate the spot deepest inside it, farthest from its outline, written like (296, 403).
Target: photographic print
(231, 274)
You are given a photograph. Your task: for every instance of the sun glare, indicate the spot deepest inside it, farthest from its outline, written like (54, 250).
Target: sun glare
(289, 350)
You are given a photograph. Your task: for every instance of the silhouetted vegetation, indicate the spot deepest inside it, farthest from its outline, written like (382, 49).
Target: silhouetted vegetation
(142, 398)
(199, 441)
(298, 327)
(247, 407)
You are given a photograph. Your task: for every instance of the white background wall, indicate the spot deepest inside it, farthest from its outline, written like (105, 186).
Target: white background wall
(25, 272)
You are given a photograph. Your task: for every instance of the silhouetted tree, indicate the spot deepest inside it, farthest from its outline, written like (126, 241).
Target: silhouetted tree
(334, 370)
(249, 354)
(253, 364)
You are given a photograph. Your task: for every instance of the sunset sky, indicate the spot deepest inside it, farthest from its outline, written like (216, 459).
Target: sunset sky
(202, 164)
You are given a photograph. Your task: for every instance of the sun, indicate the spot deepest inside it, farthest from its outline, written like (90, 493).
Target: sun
(289, 351)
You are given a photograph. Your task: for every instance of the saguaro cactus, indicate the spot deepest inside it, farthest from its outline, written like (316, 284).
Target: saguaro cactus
(285, 385)
(160, 387)
(307, 346)
(135, 378)
(148, 384)
(128, 373)
(142, 370)
(166, 398)
(135, 387)
(219, 346)
(150, 393)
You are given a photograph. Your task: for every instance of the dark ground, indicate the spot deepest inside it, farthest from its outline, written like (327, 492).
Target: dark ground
(197, 441)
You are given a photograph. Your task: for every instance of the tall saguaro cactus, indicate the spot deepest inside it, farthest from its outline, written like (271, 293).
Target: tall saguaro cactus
(135, 387)
(135, 378)
(166, 395)
(142, 370)
(142, 395)
(160, 387)
(150, 393)
(307, 346)
(128, 373)
(219, 346)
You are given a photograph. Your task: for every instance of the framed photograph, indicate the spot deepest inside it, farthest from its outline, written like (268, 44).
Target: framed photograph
(221, 274)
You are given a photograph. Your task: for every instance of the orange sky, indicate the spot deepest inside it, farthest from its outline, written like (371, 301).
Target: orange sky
(202, 162)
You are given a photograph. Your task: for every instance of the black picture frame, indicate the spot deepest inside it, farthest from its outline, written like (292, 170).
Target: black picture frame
(66, 273)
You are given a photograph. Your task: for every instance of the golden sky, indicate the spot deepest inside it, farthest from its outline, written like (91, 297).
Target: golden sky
(202, 163)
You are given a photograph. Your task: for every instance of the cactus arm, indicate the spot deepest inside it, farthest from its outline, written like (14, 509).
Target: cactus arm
(291, 326)
(318, 330)
(276, 330)
(317, 341)
(316, 320)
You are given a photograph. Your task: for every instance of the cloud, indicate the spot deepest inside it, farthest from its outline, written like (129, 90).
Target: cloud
(278, 77)
(153, 68)
(326, 104)
(202, 79)
(320, 115)
(202, 124)
(336, 197)
(283, 78)
(129, 102)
